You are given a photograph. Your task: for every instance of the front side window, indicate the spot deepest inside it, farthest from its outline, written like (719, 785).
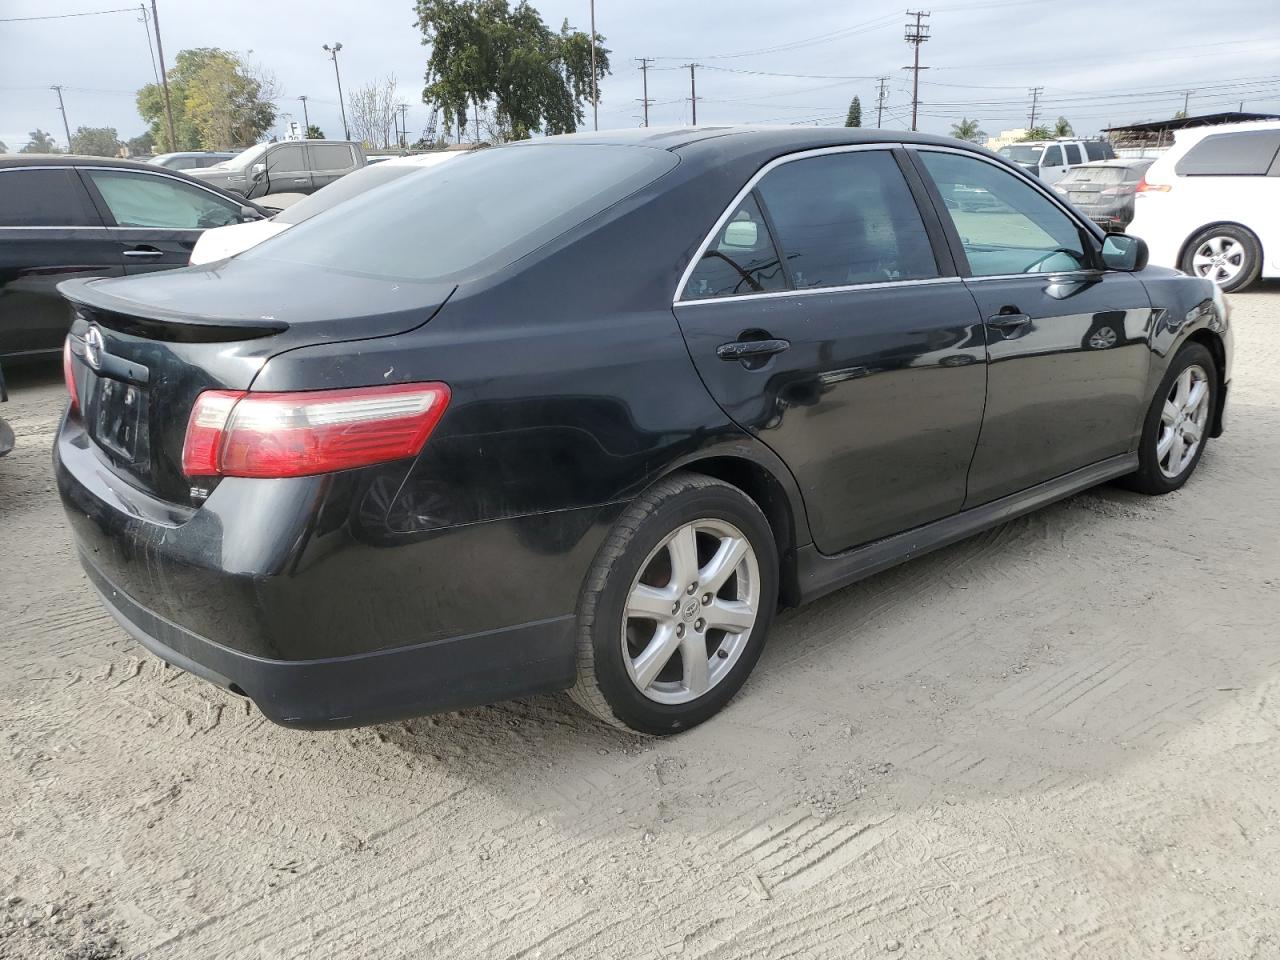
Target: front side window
(847, 218)
(289, 157)
(146, 200)
(740, 259)
(1006, 226)
(44, 198)
(326, 157)
(1246, 154)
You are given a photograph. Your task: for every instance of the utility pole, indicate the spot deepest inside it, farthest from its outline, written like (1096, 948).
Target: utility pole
(404, 128)
(57, 87)
(881, 97)
(1035, 104)
(164, 77)
(306, 119)
(595, 94)
(1186, 100)
(693, 90)
(333, 55)
(917, 33)
(644, 73)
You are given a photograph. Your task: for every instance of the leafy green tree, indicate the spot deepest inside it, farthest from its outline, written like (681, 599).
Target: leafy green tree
(968, 130)
(217, 101)
(854, 117)
(485, 52)
(40, 142)
(314, 133)
(1062, 128)
(141, 145)
(96, 141)
(1037, 133)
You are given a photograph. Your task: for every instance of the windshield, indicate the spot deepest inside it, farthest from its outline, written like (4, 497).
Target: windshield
(340, 190)
(479, 212)
(1021, 153)
(244, 157)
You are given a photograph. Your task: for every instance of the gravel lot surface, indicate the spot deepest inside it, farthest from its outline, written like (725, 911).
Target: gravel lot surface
(1058, 739)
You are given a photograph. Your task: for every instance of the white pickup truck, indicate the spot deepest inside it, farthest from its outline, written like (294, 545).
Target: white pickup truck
(1051, 159)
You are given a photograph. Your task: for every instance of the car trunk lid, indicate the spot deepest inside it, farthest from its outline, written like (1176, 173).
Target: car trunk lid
(139, 361)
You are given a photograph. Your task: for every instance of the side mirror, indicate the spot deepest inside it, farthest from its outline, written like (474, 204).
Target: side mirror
(248, 214)
(1120, 251)
(257, 172)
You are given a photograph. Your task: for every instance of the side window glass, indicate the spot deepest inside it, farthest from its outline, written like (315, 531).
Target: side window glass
(1005, 226)
(1244, 154)
(288, 157)
(144, 200)
(847, 218)
(331, 156)
(44, 198)
(1052, 157)
(1073, 153)
(740, 259)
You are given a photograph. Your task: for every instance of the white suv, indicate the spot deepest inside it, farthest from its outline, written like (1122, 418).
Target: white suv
(1210, 206)
(1051, 159)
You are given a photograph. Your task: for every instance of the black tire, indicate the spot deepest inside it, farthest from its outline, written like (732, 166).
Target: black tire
(1149, 477)
(604, 687)
(1249, 247)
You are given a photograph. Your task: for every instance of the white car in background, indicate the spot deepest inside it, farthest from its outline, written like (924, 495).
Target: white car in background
(223, 242)
(1210, 206)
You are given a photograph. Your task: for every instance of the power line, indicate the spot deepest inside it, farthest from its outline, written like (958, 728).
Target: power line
(66, 16)
(916, 34)
(146, 25)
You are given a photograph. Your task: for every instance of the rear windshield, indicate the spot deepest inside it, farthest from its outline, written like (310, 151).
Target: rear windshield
(344, 189)
(1020, 153)
(479, 212)
(1096, 175)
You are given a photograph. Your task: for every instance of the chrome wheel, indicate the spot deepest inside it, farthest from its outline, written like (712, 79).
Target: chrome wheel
(1220, 259)
(1183, 421)
(690, 611)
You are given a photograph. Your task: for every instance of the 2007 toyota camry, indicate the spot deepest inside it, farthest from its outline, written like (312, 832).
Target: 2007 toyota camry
(584, 412)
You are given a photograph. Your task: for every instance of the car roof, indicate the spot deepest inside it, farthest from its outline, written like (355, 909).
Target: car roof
(1191, 134)
(746, 138)
(70, 160)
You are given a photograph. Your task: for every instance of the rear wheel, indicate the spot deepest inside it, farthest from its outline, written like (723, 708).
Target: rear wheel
(1229, 255)
(1177, 425)
(675, 610)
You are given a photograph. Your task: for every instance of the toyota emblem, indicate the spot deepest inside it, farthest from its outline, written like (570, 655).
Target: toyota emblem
(93, 347)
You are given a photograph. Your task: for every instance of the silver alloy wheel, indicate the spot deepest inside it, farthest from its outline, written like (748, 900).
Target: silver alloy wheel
(1219, 259)
(696, 595)
(1183, 421)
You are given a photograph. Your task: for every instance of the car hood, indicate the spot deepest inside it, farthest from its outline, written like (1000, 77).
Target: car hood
(222, 242)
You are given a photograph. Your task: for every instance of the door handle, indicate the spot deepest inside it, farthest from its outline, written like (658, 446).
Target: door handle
(299, 179)
(1007, 321)
(751, 349)
(144, 252)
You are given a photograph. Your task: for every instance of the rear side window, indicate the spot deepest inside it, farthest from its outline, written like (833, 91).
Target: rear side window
(478, 212)
(330, 156)
(740, 259)
(1052, 157)
(1073, 153)
(1245, 154)
(1097, 150)
(44, 198)
(847, 218)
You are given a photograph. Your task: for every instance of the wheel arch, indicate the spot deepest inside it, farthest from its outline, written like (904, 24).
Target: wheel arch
(1218, 350)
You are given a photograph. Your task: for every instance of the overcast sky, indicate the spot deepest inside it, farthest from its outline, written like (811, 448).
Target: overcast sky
(1099, 61)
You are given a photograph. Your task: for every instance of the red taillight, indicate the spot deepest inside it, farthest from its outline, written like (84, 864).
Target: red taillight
(69, 374)
(1144, 187)
(237, 434)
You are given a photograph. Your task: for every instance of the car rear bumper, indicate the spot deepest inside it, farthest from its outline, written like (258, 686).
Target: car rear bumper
(299, 595)
(350, 691)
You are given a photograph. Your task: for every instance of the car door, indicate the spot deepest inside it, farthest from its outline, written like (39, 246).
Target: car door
(49, 232)
(824, 315)
(330, 161)
(1052, 165)
(288, 171)
(1066, 341)
(155, 219)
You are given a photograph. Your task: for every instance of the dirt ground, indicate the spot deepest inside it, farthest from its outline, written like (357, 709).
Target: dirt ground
(1058, 739)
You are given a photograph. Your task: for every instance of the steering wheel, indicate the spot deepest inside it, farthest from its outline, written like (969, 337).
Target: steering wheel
(1031, 267)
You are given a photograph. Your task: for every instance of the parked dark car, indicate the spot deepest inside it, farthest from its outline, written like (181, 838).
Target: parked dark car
(68, 216)
(628, 394)
(1104, 191)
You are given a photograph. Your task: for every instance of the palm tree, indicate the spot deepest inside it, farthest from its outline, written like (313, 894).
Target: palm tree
(1062, 128)
(968, 130)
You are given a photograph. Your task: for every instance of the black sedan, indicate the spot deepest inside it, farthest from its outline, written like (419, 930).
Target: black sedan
(583, 412)
(68, 216)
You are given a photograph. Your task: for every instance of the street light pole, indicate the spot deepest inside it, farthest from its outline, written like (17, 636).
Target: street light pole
(164, 77)
(333, 55)
(306, 120)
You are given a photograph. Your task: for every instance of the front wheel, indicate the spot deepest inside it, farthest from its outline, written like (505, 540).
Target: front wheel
(1178, 422)
(675, 610)
(1228, 255)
